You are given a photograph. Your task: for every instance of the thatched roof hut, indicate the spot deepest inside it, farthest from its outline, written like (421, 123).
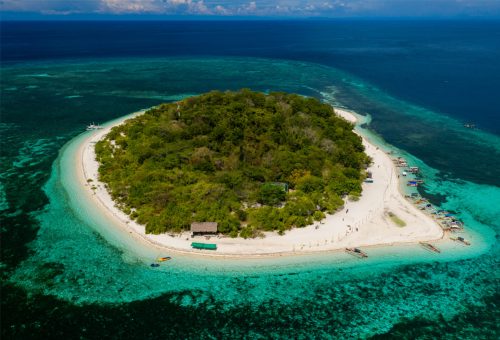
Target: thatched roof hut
(204, 227)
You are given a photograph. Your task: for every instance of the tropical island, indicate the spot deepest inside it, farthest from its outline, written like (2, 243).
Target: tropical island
(269, 175)
(249, 161)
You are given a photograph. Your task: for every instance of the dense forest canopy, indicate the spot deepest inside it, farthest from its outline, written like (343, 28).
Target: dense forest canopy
(250, 161)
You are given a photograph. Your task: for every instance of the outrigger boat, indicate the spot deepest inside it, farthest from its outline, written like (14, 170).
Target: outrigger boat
(452, 227)
(430, 247)
(209, 246)
(356, 252)
(93, 126)
(400, 162)
(456, 226)
(162, 259)
(461, 240)
(154, 265)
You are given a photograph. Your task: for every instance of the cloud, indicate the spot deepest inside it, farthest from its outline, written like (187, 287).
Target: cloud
(252, 6)
(297, 8)
(130, 6)
(56, 7)
(179, 2)
(249, 8)
(192, 7)
(200, 8)
(222, 10)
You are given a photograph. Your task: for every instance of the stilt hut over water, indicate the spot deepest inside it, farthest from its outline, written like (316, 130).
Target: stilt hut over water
(204, 228)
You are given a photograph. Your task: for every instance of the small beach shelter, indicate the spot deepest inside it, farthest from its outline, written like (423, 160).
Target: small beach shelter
(202, 228)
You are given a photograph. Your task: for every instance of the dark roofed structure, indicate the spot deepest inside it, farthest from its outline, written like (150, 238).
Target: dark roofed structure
(204, 228)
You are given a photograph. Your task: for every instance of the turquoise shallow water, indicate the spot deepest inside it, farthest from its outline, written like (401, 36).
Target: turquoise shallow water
(75, 260)
(94, 260)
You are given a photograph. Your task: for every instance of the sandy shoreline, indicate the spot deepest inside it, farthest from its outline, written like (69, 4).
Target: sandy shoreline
(359, 224)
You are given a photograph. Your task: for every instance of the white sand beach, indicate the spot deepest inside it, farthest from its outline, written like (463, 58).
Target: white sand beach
(361, 223)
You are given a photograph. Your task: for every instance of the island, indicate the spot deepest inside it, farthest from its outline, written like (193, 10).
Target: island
(263, 173)
(248, 161)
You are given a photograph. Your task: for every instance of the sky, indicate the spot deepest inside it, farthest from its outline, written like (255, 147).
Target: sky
(67, 9)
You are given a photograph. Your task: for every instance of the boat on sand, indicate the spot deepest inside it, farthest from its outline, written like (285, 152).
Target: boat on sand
(356, 252)
(430, 247)
(461, 240)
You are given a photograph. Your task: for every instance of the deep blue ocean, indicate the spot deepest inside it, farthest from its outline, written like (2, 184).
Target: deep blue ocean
(420, 81)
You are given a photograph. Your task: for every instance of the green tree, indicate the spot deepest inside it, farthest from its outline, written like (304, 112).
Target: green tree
(271, 194)
(213, 157)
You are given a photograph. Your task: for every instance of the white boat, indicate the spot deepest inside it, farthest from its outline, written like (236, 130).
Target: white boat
(93, 126)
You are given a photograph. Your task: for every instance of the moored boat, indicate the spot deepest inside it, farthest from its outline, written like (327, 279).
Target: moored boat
(412, 184)
(461, 240)
(165, 258)
(154, 265)
(93, 126)
(455, 227)
(430, 247)
(208, 246)
(356, 252)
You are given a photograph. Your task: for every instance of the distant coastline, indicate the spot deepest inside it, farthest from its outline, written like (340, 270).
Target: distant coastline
(360, 224)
